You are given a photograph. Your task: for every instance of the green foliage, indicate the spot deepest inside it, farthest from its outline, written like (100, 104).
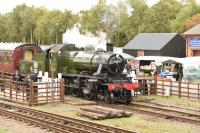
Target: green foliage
(2, 28)
(159, 16)
(91, 20)
(35, 25)
(188, 10)
(40, 26)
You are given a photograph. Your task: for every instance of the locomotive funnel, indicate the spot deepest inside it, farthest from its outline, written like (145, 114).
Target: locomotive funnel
(109, 47)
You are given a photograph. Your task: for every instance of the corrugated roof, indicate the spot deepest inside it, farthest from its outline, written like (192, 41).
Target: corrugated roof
(46, 47)
(9, 46)
(150, 41)
(56, 48)
(193, 31)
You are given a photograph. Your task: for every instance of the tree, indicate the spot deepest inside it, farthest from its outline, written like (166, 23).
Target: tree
(107, 18)
(136, 20)
(52, 25)
(158, 18)
(2, 28)
(189, 9)
(192, 21)
(91, 20)
(13, 24)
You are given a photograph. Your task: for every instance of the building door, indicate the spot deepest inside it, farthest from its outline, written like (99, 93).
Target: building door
(196, 53)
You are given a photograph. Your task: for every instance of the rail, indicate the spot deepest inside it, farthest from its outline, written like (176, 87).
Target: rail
(55, 123)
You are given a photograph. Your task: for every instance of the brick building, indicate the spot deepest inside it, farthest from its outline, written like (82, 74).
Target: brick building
(192, 37)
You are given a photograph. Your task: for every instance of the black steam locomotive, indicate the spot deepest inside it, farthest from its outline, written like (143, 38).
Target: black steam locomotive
(94, 75)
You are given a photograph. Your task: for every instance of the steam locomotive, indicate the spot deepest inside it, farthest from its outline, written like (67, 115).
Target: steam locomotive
(94, 75)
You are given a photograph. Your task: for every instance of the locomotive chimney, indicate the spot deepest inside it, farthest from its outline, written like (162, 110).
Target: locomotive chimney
(109, 47)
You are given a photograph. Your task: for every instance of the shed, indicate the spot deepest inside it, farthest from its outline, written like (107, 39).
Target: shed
(156, 44)
(148, 64)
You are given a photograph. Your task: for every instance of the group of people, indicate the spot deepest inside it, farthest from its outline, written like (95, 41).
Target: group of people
(18, 79)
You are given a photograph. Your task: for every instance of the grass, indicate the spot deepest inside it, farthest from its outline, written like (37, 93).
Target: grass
(137, 122)
(3, 130)
(175, 100)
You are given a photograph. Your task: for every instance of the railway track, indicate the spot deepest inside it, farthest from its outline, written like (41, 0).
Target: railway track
(53, 122)
(184, 115)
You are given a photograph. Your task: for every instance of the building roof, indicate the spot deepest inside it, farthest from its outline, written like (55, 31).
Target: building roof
(9, 46)
(193, 31)
(150, 41)
(56, 48)
(46, 47)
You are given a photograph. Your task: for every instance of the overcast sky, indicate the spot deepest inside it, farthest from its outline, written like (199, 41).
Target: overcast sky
(73, 5)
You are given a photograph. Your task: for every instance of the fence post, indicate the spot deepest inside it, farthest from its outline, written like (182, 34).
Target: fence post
(188, 91)
(170, 90)
(62, 90)
(155, 85)
(23, 90)
(31, 93)
(47, 92)
(198, 91)
(52, 91)
(162, 87)
(10, 89)
(179, 89)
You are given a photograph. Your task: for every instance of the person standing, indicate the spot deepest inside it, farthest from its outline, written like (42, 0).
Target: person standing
(18, 78)
(27, 84)
(128, 67)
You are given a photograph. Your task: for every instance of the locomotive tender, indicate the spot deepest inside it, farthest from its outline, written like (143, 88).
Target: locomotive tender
(94, 75)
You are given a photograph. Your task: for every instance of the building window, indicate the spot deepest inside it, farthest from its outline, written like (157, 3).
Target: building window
(1, 54)
(28, 54)
(6, 58)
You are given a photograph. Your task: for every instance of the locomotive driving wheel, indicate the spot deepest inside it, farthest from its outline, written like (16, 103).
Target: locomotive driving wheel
(107, 97)
(89, 96)
(74, 87)
(129, 97)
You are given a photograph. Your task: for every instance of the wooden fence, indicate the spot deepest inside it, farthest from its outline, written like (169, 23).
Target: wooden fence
(36, 93)
(49, 92)
(190, 91)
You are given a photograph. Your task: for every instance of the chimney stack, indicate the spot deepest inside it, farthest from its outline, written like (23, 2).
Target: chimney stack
(109, 47)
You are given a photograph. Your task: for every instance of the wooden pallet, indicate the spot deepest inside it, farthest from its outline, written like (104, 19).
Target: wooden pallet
(99, 112)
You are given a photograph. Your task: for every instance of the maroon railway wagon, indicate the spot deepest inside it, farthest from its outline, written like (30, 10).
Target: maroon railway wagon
(11, 53)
